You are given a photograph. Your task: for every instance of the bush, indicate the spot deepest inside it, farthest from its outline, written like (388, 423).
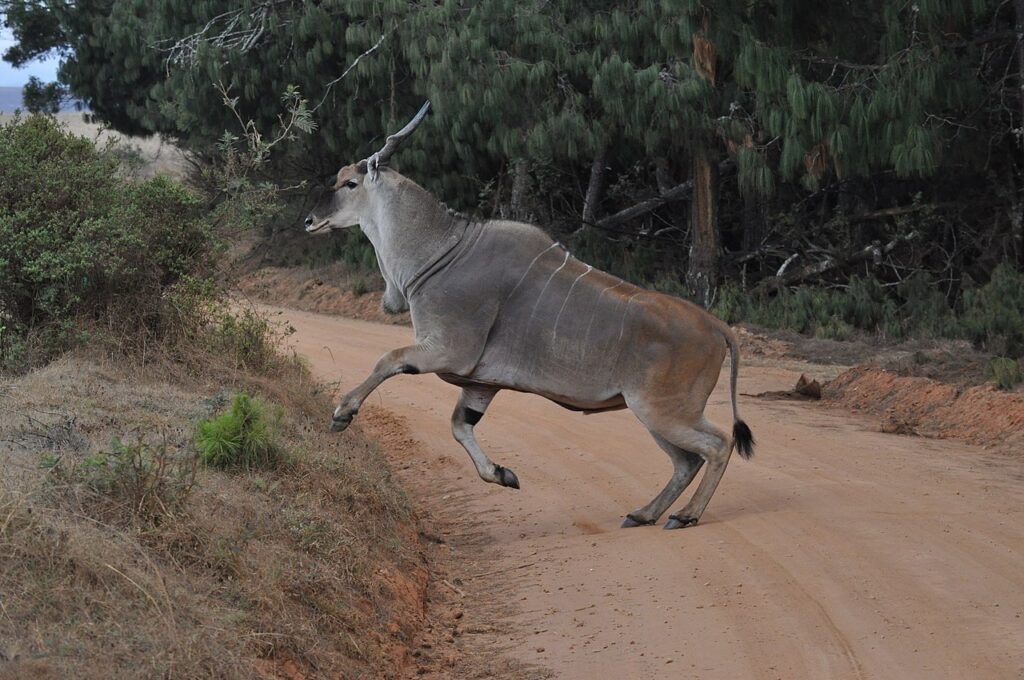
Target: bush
(241, 437)
(246, 338)
(79, 241)
(993, 316)
(130, 482)
(823, 312)
(924, 310)
(1006, 372)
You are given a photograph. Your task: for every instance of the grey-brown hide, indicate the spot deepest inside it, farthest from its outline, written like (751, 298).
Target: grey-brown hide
(499, 305)
(341, 208)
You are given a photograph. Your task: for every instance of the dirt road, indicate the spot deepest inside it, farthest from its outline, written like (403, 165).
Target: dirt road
(838, 552)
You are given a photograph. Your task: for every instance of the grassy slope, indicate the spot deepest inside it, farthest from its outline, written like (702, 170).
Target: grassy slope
(312, 569)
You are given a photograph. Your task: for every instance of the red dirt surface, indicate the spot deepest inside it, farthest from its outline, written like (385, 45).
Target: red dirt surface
(316, 291)
(837, 552)
(909, 405)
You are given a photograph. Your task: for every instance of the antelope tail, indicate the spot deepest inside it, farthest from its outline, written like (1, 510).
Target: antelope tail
(742, 437)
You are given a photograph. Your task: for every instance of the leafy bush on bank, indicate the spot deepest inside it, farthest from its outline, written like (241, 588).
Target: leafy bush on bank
(990, 316)
(81, 245)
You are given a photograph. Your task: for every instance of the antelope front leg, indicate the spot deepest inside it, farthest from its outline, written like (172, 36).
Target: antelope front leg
(412, 360)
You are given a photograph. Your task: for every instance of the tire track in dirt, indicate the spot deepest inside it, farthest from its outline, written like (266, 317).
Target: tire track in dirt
(838, 552)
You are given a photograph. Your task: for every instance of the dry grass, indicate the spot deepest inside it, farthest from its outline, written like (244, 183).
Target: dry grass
(313, 569)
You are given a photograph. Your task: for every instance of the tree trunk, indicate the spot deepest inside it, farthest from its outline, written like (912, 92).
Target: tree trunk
(1019, 28)
(753, 223)
(595, 186)
(702, 275)
(519, 208)
(663, 175)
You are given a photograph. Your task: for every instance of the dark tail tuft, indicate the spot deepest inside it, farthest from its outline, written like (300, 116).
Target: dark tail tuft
(743, 438)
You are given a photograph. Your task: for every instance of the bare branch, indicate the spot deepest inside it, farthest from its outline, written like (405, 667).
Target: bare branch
(897, 211)
(676, 193)
(327, 90)
(872, 252)
(238, 30)
(594, 188)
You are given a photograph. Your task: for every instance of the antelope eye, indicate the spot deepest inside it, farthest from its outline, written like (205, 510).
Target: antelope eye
(351, 184)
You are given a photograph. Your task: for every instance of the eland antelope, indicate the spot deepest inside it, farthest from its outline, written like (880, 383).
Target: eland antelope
(499, 305)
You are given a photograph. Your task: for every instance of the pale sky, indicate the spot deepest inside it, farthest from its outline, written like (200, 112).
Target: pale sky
(16, 77)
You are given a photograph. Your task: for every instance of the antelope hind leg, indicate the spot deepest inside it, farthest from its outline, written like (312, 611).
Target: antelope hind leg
(685, 466)
(717, 453)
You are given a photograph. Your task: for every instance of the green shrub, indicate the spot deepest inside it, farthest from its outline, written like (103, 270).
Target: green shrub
(243, 437)
(360, 286)
(732, 304)
(835, 329)
(993, 316)
(129, 482)
(77, 240)
(246, 338)
(864, 304)
(1006, 372)
(924, 310)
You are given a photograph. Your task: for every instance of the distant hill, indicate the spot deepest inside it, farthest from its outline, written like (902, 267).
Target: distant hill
(10, 99)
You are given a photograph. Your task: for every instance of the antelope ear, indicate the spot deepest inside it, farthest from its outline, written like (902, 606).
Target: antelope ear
(361, 167)
(372, 167)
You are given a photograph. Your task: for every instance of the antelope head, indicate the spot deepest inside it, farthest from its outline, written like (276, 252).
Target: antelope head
(347, 200)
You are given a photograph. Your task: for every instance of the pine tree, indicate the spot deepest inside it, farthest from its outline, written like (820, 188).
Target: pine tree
(573, 109)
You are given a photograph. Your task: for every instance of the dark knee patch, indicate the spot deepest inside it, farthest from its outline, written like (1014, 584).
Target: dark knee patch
(410, 369)
(470, 416)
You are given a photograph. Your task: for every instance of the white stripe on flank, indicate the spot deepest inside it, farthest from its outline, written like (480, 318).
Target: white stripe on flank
(550, 278)
(624, 312)
(523, 278)
(597, 304)
(566, 301)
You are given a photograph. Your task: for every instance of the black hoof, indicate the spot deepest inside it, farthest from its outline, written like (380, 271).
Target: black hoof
(680, 522)
(341, 423)
(631, 522)
(506, 477)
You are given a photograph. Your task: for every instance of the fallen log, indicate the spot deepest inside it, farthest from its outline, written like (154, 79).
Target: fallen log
(873, 252)
(676, 193)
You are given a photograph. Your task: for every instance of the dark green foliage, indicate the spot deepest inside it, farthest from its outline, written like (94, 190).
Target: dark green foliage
(994, 313)
(812, 311)
(243, 437)
(79, 242)
(1006, 372)
(854, 89)
(924, 310)
(826, 116)
(37, 30)
(40, 97)
(992, 316)
(121, 59)
(351, 247)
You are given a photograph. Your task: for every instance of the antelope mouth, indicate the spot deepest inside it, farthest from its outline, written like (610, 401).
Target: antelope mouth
(318, 227)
